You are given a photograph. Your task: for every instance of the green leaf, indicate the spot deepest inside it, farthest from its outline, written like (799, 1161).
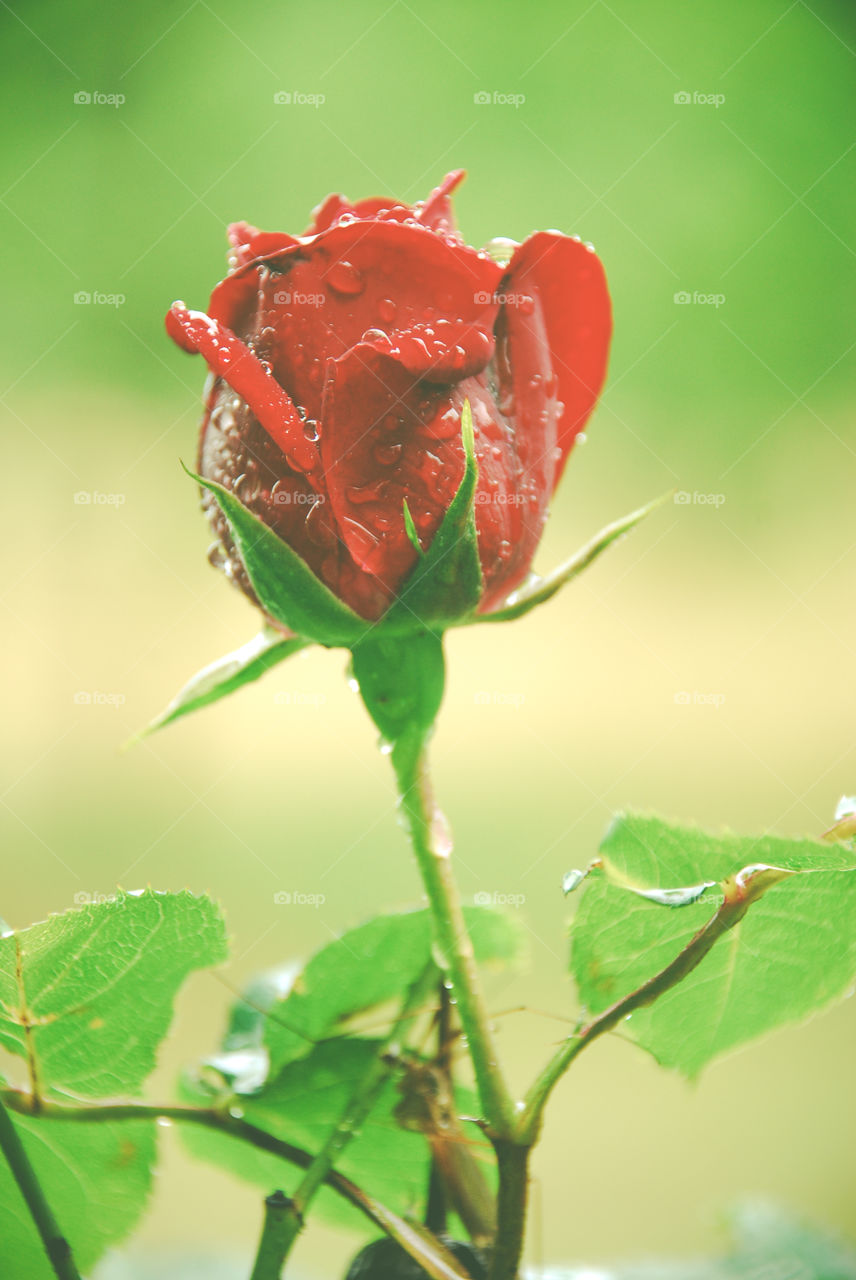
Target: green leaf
(793, 952)
(96, 1178)
(304, 1103)
(286, 1012)
(537, 590)
(86, 997)
(446, 583)
(287, 588)
(227, 674)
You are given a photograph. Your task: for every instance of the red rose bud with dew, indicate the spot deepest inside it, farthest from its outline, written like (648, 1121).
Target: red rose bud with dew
(341, 361)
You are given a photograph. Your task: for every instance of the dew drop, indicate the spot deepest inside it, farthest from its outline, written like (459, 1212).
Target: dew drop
(345, 278)
(386, 455)
(372, 492)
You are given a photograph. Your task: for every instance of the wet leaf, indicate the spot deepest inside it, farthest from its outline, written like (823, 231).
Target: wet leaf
(97, 1179)
(301, 1106)
(86, 996)
(368, 966)
(793, 953)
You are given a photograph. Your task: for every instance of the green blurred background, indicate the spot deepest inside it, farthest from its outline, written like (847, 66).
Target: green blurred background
(549, 725)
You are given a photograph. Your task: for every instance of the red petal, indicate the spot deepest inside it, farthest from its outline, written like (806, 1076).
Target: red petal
(327, 213)
(436, 211)
(376, 278)
(248, 243)
(228, 358)
(572, 313)
(386, 438)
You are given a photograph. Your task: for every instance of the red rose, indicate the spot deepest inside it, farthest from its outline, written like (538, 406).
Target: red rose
(341, 361)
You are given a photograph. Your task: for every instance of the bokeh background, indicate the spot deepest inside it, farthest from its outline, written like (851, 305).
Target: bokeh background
(704, 669)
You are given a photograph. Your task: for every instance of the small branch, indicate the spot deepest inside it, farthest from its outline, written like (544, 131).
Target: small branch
(731, 911)
(55, 1244)
(281, 1225)
(358, 1108)
(430, 845)
(418, 1243)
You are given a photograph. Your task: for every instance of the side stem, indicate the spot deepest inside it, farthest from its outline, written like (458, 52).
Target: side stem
(421, 1246)
(55, 1244)
(354, 1115)
(731, 911)
(276, 1237)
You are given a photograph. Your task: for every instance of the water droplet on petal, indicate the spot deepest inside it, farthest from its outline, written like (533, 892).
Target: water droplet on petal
(386, 455)
(344, 278)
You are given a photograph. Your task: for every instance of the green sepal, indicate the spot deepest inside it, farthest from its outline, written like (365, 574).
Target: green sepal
(217, 680)
(411, 530)
(287, 589)
(537, 590)
(446, 584)
(401, 680)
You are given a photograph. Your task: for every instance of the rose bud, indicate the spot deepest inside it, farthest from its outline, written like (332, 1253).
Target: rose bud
(341, 361)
